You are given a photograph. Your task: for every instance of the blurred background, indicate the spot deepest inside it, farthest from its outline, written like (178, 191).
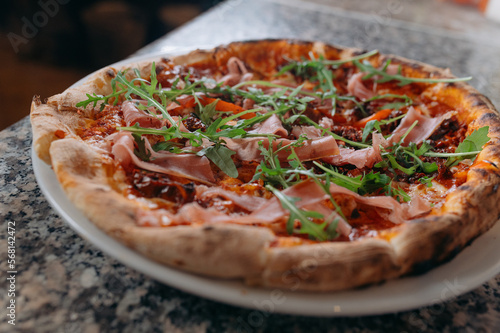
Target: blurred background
(47, 45)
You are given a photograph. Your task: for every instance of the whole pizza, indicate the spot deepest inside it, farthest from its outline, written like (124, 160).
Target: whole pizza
(283, 163)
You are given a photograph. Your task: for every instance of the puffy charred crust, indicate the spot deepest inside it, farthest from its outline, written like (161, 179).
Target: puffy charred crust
(109, 74)
(82, 174)
(234, 251)
(330, 266)
(470, 211)
(50, 124)
(225, 251)
(359, 52)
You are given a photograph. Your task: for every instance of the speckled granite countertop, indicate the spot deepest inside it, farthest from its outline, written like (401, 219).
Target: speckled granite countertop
(65, 284)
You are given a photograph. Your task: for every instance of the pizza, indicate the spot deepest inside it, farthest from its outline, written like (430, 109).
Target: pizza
(281, 163)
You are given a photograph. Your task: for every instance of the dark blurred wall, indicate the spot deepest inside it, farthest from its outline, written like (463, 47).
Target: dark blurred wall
(46, 45)
(93, 32)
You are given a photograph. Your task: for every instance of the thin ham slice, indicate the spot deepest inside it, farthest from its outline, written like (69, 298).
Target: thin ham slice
(248, 103)
(310, 131)
(424, 128)
(237, 72)
(417, 206)
(326, 123)
(366, 157)
(271, 125)
(395, 212)
(357, 88)
(133, 115)
(247, 149)
(183, 165)
(178, 123)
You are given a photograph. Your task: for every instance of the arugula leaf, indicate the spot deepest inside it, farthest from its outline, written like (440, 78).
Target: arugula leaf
(473, 143)
(94, 99)
(270, 169)
(427, 180)
(221, 156)
(371, 182)
(153, 81)
(169, 146)
(390, 161)
(376, 124)
(367, 184)
(167, 133)
(398, 193)
(331, 229)
(367, 67)
(207, 112)
(302, 68)
(407, 101)
(316, 71)
(350, 183)
(142, 152)
(372, 124)
(394, 105)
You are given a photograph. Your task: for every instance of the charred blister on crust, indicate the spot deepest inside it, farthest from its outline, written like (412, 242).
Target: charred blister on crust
(179, 262)
(110, 73)
(478, 100)
(451, 85)
(36, 100)
(488, 118)
(359, 52)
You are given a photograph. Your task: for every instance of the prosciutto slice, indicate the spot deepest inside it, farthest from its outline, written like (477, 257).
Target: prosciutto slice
(310, 131)
(361, 158)
(133, 115)
(424, 128)
(183, 165)
(395, 212)
(357, 88)
(247, 149)
(237, 72)
(271, 125)
(367, 157)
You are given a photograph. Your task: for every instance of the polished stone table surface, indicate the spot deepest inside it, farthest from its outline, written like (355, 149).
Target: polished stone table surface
(65, 284)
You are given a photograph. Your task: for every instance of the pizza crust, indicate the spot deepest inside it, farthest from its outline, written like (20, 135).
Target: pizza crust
(246, 252)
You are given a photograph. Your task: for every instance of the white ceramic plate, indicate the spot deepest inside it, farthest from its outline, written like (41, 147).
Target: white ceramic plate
(476, 264)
